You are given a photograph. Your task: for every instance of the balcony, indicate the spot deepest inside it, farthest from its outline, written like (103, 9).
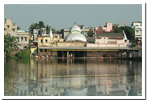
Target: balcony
(138, 27)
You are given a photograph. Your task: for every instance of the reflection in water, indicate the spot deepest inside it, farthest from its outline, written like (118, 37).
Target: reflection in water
(73, 77)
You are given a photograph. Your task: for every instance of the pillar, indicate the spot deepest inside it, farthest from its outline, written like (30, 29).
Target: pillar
(73, 54)
(110, 54)
(67, 54)
(51, 53)
(23, 38)
(126, 55)
(134, 54)
(62, 54)
(19, 38)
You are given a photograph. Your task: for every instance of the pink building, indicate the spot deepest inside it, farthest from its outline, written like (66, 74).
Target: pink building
(106, 28)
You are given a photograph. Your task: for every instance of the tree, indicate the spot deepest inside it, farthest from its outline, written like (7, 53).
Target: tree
(58, 32)
(10, 44)
(90, 32)
(48, 28)
(41, 24)
(117, 30)
(33, 26)
(18, 28)
(130, 33)
(53, 30)
(23, 54)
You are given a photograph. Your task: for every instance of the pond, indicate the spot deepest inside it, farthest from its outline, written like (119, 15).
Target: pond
(72, 77)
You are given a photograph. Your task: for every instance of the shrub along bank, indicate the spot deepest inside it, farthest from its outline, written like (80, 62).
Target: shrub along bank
(23, 54)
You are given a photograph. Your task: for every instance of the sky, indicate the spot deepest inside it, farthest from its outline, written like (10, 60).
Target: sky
(60, 16)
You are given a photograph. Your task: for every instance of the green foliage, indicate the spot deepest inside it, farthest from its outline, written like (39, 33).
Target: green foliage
(14, 57)
(90, 33)
(18, 28)
(23, 54)
(58, 32)
(128, 31)
(41, 24)
(48, 28)
(33, 26)
(117, 30)
(134, 44)
(10, 44)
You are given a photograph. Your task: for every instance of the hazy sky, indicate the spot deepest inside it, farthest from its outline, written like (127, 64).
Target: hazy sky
(60, 16)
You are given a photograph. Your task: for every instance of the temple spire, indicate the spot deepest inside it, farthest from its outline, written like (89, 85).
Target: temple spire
(124, 23)
(51, 34)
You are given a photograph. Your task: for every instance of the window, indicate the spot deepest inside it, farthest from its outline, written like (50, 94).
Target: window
(41, 89)
(41, 41)
(109, 24)
(25, 92)
(45, 50)
(8, 26)
(21, 38)
(46, 89)
(21, 93)
(13, 30)
(25, 38)
(40, 50)
(25, 47)
(46, 40)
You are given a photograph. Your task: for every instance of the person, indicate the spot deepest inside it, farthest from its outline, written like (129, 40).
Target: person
(47, 55)
(40, 55)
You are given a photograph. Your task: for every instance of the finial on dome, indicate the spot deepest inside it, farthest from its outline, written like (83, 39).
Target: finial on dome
(75, 23)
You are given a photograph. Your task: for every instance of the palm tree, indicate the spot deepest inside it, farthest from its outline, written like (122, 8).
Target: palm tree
(10, 44)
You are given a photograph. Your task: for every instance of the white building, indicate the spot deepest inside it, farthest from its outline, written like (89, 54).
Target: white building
(84, 30)
(36, 32)
(137, 26)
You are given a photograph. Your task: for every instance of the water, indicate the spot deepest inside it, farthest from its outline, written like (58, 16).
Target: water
(72, 77)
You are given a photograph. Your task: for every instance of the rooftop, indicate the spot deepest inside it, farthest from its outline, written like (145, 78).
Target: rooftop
(110, 34)
(62, 48)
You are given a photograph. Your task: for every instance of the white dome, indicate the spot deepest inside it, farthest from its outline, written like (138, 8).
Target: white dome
(75, 36)
(75, 27)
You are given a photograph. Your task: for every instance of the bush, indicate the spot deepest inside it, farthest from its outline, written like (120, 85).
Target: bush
(23, 54)
(133, 44)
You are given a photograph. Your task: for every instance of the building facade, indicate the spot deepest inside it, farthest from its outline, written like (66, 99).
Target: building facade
(105, 29)
(115, 25)
(21, 36)
(137, 26)
(109, 40)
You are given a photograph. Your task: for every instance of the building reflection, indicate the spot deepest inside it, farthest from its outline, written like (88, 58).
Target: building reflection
(93, 77)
